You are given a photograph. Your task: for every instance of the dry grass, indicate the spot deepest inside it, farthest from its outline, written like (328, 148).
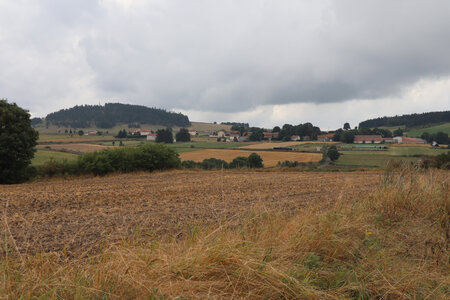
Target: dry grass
(392, 244)
(77, 147)
(270, 158)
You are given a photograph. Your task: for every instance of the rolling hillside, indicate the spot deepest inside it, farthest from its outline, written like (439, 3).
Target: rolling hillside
(410, 121)
(111, 114)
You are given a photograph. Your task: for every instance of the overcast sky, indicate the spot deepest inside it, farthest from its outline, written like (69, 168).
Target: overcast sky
(262, 62)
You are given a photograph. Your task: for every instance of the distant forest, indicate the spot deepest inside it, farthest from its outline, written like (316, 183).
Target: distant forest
(409, 120)
(112, 113)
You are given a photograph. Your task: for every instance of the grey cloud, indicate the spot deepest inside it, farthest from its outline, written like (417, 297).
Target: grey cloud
(224, 55)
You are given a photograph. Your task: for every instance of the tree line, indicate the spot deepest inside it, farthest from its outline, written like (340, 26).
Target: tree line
(305, 131)
(110, 114)
(408, 120)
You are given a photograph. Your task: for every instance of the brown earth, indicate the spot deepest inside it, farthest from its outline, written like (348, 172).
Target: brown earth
(270, 158)
(75, 215)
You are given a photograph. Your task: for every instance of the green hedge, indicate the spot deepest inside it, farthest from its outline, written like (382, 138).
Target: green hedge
(148, 157)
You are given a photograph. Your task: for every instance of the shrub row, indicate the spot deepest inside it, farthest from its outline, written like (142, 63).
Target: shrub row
(148, 157)
(252, 161)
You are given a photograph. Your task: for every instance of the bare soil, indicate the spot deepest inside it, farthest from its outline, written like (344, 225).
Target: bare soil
(76, 215)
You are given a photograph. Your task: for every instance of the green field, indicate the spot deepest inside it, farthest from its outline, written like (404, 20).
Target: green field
(392, 128)
(43, 156)
(433, 129)
(372, 159)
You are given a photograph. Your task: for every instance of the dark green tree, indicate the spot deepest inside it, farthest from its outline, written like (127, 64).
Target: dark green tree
(239, 162)
(183, 135)
(80, 132)
(164, 136)
(347, 136)
(398, 132)
(346, 126)
(441, 137)
(17, 142)
(333, 153)
(255, 161)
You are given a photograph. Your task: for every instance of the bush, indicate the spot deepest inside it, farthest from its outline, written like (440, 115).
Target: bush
(441, 161)
(148, 157)
(239, 162)
(214, 163)
(255, 161)
(288, 164)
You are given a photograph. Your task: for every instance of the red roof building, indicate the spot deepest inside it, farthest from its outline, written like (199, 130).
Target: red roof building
(368, 139)
(325, 137)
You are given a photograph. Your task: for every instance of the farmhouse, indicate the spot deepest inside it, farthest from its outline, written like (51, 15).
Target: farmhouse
(388, 140)
(368, 139)
(408, 140)
(232, 132)
(233, 137)
(295, 138)
(243, 138)
(193, 132)
(221, 133)
(92, 132)
(144, 132)
(151, 137)
(325, 137)
(270, 135)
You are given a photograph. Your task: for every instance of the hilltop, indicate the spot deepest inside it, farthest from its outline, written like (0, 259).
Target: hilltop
(110, 114)
(409, 120)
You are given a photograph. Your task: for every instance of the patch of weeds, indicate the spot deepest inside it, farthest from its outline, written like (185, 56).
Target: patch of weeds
(313, 261)
(371, 241)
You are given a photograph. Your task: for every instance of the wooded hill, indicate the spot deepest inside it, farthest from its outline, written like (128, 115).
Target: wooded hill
(112, 113)
(412, 120)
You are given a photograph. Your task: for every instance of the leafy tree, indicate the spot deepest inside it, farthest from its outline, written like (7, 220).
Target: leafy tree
(256, 136)
(346, 126)
(183, 135)
(347, 136)
(241, 128)
(17, 142)
(337, 135)
(333, 153)
(80, 132)
(398, 132)
(441, 137)
(239, 162)
(427, 137)
(164, 136)
(255, 161)
(276, 129)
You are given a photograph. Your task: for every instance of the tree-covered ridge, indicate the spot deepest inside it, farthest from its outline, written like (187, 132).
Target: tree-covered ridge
(408, 120)
(112, 113)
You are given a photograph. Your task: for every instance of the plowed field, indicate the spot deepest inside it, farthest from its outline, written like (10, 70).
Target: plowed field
(75, 215)
(270, 158)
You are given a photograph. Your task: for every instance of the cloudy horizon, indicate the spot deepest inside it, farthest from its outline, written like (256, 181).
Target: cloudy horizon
(261, 62)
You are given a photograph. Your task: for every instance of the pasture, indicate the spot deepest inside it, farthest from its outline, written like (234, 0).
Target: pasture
(417, 132)
(43, 156)
(75, 147)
